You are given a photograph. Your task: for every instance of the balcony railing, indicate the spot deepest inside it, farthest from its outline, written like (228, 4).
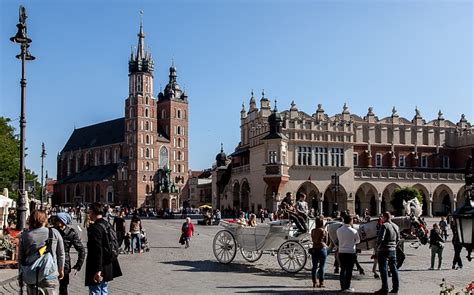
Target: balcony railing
(415, 175)
(241, 169)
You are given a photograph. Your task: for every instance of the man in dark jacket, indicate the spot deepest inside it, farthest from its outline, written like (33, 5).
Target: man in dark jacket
(99, 268)
(70, 238)
(387, 241)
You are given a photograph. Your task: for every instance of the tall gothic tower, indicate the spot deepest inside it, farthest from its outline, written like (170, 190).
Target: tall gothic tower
(173, 119)
(141, 126)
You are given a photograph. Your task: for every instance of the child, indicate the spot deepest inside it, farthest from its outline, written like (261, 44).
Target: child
(126, 242)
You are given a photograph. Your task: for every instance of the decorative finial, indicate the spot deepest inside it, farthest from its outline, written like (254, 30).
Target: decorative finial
(251, 92)
(320, 107)
(222, 147)
(275, 109)
(463, 118)
(345, 109)
(141, 17)
(394, 110)
(263, 93)
(440, 115)
(371, 109)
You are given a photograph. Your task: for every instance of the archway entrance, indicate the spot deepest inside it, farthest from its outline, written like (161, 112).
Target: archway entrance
(245, 192)
(165, 204)
(366, 194)
(336, 201)
(236, 196)
(312, 195)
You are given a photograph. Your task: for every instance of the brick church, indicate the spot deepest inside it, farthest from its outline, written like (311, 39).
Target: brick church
(140, 160)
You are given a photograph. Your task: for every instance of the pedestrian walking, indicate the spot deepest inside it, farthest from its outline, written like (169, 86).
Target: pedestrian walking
(135, 231)
(348, 239)
(443, 225)
(70, 239)
(457, 249)
(187, 230)
(36, 243)
(436, 245)
(319, 252)
(119, 225)
(79, 215)
(100, 267)
(387, 241)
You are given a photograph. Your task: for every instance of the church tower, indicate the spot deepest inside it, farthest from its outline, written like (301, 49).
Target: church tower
(141, 126)
(173, 120)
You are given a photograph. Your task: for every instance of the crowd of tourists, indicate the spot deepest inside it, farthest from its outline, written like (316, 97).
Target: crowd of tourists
(45, 264)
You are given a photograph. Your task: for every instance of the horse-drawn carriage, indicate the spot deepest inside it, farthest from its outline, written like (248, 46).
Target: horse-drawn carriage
(276, 237)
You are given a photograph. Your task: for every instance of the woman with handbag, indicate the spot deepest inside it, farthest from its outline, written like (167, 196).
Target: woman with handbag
(319, 252)
(436, 245)
(187, 230)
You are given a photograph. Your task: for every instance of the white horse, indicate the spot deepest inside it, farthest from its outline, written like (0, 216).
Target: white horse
(413, 207)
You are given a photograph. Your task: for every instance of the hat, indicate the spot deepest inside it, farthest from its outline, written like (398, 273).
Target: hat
(65, 218)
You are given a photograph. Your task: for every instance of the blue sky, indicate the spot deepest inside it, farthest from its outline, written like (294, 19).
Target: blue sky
(363, 53)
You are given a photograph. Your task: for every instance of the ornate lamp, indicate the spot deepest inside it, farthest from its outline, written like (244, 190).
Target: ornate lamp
(464, 216)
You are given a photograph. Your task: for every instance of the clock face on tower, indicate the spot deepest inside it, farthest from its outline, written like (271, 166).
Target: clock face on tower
(163, 157)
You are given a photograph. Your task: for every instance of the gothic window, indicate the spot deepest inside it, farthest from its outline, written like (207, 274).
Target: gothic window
(147, 166)
(163, 157)
(163, 114)
(139, 84)
(356, 159)
(401, 161)
(147, 153)
(96, 159)
(304, 156)
(147, 139)
(337, 157)
(130, 153)
(424, 161)
(178, 130)
(146, 113)
(272, 157)
(321, 156)
(147, 126)
(131, 112)
(446, 162)
(179, 114)
(179, 168)
(179, 142)
(179, 156)
(378, 160)
(116, 155)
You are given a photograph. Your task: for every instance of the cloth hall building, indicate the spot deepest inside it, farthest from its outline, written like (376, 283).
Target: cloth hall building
(292, 151)
(138, 160)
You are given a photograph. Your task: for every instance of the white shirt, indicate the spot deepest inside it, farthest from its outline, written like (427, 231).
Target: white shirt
(348, 238)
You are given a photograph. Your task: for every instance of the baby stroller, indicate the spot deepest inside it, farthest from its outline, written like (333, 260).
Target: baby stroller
(144, 241)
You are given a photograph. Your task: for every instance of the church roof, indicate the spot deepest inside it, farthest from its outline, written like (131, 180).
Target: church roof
(105, 133)
(94, 173)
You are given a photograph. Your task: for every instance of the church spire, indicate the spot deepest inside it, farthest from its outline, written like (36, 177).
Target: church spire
(142, 60)
(141, 39)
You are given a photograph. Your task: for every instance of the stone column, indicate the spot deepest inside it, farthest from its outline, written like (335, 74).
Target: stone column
(321, 200)
(455, 200)
(430, 206)
(379, 204)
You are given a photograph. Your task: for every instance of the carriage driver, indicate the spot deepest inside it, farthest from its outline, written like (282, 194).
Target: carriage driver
(287, 207)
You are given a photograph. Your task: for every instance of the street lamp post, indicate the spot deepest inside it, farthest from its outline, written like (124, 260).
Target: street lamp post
(464, 216)
(22, 39)
(43, 155)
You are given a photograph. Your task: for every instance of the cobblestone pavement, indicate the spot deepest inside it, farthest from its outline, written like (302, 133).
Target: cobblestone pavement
(170, 269)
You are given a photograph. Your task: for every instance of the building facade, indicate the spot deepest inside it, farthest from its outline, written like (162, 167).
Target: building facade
(138, 160)
(368, 157)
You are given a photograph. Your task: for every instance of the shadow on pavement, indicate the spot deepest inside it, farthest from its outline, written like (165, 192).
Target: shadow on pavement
(214, 266)
(315, 291)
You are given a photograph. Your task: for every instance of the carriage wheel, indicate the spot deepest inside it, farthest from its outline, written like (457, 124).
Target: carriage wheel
(307, 244)
(291, 256)
(251, 256)
(224, 247)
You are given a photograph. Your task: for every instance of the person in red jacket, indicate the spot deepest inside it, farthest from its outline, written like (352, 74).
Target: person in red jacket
(187, 230)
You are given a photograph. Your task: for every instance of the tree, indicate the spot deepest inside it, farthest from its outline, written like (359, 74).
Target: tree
(405, 194)
(10, 160)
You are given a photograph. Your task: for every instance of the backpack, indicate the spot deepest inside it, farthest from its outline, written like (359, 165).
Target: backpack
(111, 250)
(44, 266)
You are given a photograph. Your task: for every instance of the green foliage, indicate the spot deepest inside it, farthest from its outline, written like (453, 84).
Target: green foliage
(10, 160)
(405, 194)
(9, 155)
